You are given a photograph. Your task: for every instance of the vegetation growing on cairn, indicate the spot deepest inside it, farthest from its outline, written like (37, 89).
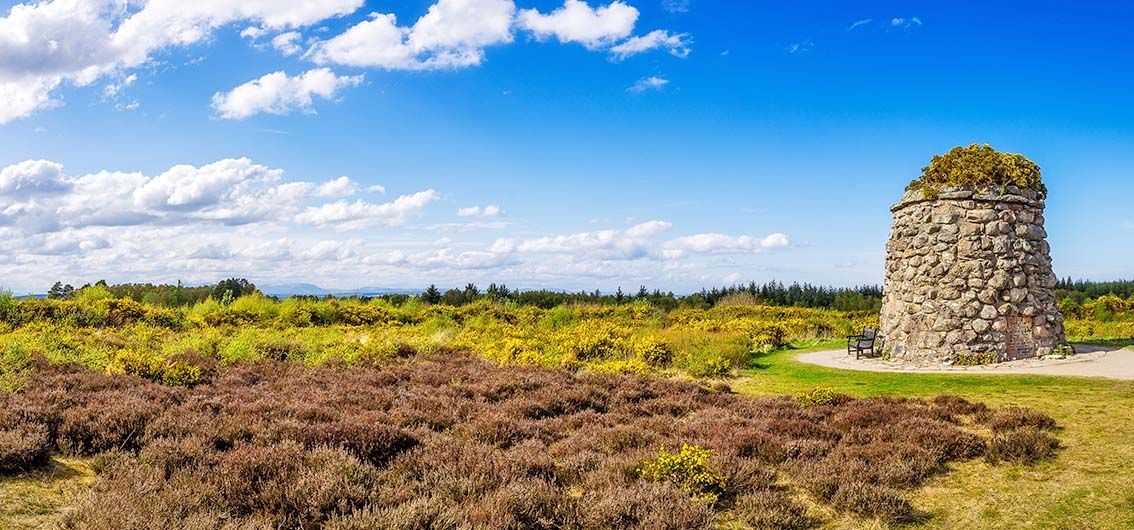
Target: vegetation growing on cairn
(447, 441)
(980, 167)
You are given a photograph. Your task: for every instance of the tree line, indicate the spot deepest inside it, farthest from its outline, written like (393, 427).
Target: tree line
(165, 295)
(773, 293)
(1083, 290)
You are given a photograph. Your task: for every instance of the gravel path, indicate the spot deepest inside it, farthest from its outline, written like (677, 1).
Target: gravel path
(1091, 362)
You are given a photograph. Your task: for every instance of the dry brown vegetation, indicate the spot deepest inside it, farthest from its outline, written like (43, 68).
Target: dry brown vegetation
(455, 442)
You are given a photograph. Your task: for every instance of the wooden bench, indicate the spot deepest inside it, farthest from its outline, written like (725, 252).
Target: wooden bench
(859, 344)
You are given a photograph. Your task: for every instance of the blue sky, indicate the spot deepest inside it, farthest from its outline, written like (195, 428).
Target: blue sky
(575, 145)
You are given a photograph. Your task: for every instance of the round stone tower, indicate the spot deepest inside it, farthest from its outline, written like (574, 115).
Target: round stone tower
(968, 277)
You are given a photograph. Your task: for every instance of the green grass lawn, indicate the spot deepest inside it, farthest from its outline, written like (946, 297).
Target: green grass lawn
(1087, 487)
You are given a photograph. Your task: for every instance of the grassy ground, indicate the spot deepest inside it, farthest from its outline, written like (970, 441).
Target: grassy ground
(34, 500)
(1086, 487)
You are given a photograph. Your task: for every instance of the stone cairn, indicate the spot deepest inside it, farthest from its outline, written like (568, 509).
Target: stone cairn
(969, 279)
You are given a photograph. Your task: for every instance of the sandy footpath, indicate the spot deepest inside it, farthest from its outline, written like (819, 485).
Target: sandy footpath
(1091, 362)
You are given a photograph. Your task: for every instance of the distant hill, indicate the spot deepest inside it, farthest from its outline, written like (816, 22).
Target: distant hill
(285, 290)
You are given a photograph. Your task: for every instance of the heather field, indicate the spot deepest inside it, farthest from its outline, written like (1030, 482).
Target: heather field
(369, 414)
(447, 441)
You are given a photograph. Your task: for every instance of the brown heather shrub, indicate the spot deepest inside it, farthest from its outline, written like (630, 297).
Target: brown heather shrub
(451, 442)
(1025, 445)
(950, 406)
(871, 500)
(1012, 418)
(771, 510)
(23, 448)
(374, 443)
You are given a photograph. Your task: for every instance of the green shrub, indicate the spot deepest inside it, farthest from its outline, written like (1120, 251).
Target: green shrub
(15, 361)
(594, 339)
(154, 368)
(9, 307)
(768, 337)
(821, 396)
(974, 358)
(93, 293)
(180, 373)
(689, 470)
(978, 166)
(708, 364)
(653, 351)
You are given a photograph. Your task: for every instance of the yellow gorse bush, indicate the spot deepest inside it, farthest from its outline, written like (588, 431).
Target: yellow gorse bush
(633, 338)
(687, 469)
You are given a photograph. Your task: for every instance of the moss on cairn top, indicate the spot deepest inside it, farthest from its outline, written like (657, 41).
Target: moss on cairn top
(978, 167)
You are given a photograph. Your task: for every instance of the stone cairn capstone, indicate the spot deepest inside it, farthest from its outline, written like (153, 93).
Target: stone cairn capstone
(969, 279)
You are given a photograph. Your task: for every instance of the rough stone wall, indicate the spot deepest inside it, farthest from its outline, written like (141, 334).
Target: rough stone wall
(968, 276)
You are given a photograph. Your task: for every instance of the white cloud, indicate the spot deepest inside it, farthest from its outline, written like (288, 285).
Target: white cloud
(800, 47)
(47, 44)
(677, 44)
(448, 258)
(652, 82)
(340, 187)
(253, 32)
(277, 93)
(376, 188)
(185, 187)
(36, 197)
(861, 22)
(343, 215)
(476, 211)
(713, 243)
(331, 250)
(632, 243)
(899, 22)
(452, 34)
(56, 43)
(287, 43)
(470, 226)
(676, 6)
(112, 89)
(648, 229)
(576, 21)
(32, 177)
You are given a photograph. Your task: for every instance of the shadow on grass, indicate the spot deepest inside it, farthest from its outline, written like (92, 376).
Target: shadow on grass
(54, 471)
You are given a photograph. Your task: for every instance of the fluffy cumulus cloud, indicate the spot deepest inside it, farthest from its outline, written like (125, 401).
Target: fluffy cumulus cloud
(632, 243)
(576, 21)
(451, 34)
(346, 215)
(237, 217)
(287, 43)
(278, 93)
(53, 43)
(722, 244)
(340, 187)
(47, 44)
(32, 177)
(36, 196)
